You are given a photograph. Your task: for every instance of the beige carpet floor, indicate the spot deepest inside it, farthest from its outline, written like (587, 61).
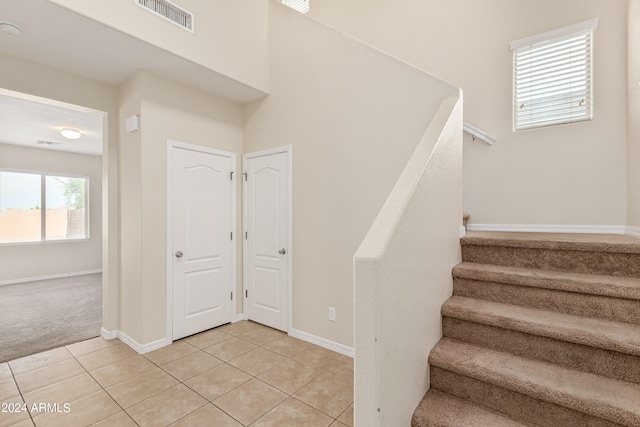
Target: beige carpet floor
(45, 314)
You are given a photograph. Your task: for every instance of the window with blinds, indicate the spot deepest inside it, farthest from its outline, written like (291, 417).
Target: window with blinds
(299, 5)
(38, 207)
(552, 77)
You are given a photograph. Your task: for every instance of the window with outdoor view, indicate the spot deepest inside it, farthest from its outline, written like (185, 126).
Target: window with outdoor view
(39, 207)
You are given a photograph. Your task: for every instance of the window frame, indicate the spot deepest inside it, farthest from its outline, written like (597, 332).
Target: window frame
(539, 118)
(301, 6)
(43, 209)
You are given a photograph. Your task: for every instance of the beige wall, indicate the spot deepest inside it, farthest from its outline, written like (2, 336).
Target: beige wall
(23, 261)
(130, 215)
(352, 129)
(230, 36)
(167, 111)
(571, 174)
(633, 116)
(34, 79)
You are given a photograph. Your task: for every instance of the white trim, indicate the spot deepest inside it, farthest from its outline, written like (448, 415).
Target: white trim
(192, 30)
(239, 318)
(477, 133)
(543, 228)
(135, 345)
(171, 144)
(108, 335)
(632, 231)
(301, 6)
(51, 276)
(590, 24)
(287, 149)
(323, 342)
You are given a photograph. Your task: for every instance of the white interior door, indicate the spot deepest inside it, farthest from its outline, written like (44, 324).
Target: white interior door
(202, 206)
(267, 227)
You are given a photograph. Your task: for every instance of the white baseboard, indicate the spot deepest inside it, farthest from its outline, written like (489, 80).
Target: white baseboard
(52, 276)
(146, 348)
(543, 228)
(322, 342)
(632, 231)
(135, 345)
(238, 318)
(108, 335)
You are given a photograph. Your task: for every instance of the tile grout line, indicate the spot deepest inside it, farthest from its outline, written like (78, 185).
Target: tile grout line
(203, 350)
(334, 419)
(13, 377)
(100, 385)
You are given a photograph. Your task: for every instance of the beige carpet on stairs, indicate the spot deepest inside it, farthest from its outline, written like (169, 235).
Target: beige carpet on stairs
(542, 330)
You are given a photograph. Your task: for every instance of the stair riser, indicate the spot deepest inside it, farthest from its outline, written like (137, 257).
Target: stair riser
(607, 363)
(595, 306)
(516, 405)
(443, 410)
(587, 262)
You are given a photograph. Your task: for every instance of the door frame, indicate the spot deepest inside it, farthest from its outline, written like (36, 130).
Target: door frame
(171, 145)
(286, 149)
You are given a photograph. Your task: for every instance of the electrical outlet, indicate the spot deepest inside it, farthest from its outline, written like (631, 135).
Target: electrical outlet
(332, 314)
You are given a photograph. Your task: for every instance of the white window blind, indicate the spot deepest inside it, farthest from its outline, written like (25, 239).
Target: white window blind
(552, 77)
(299, 5)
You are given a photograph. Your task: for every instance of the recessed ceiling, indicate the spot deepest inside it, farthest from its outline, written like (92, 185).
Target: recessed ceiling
(61, 39)
(64, 40)
(36, 123)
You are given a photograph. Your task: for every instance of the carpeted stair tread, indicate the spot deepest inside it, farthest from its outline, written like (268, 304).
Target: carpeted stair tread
(612, 364)
(443, 410)
(604, 334)
(603, 285)
(562, 241)
(609, 399)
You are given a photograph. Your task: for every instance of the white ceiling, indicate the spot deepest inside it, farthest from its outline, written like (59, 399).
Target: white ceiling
(36, 123)
(61, 39)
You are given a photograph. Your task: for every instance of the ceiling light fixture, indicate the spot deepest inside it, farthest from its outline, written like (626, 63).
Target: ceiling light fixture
(11, 29)
(70, 133)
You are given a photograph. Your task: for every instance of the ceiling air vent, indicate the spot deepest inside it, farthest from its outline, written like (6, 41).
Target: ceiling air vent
(169, 11)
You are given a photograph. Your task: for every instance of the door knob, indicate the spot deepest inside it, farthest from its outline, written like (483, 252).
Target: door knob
(282, 251)
(179, 254)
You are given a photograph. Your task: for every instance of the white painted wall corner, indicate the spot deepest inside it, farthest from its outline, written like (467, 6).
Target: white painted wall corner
(632, 231)
(135, 345)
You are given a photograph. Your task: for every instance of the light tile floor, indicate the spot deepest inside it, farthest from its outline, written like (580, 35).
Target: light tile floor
(241, 374)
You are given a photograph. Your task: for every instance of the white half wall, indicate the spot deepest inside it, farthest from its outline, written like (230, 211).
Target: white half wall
(403, 275)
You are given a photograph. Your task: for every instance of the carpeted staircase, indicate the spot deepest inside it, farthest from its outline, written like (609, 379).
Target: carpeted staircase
(541, 330)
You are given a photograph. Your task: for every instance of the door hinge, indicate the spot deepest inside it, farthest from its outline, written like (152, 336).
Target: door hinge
(246, 293)
(232, 235)
(231, 176)
(245, 176)
(231, 295)
(245, 235)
